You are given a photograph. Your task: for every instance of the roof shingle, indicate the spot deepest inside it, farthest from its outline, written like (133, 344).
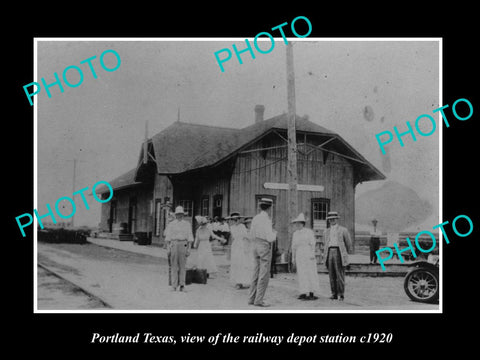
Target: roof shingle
(184, 146)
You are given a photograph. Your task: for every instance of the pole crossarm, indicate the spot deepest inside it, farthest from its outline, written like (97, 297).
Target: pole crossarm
(319, 147)
(336, 153)
(292, 195)
(281, 136)
(263, 149)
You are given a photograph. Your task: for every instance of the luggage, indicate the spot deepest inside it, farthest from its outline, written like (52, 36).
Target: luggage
(196, 276)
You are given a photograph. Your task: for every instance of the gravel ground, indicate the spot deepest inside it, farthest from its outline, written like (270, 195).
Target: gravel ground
(57, 294)
(131, 281)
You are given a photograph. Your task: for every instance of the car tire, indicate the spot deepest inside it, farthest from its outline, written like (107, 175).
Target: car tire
(422, 285)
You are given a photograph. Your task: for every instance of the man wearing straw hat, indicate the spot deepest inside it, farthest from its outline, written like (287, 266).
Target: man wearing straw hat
(178, 237)
(337, 242)
(261, 235)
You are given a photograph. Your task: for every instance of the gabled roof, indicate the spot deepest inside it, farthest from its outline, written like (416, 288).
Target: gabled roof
(121, 182)
(183, 147)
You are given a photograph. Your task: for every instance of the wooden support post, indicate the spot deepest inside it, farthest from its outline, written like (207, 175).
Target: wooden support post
(336, 153)
(280, 136)
(145, 144)
(263, 149)
(292, 149)
(75, 161)
(73, 185)
(319, 147)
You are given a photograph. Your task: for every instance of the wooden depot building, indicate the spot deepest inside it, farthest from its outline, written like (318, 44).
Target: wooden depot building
(213, 171)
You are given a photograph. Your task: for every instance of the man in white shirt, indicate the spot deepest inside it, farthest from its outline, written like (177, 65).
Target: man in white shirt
(178, 237)
(262, 235)
(337, 244)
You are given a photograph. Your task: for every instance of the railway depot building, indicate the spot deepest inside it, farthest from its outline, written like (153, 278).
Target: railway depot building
(213, 171)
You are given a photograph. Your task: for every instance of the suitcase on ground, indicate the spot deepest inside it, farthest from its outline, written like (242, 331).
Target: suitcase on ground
(196, 276)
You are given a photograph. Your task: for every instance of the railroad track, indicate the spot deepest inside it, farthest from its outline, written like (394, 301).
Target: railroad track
(76, 286)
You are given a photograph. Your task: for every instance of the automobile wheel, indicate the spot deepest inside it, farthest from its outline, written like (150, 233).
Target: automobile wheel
(422, 285)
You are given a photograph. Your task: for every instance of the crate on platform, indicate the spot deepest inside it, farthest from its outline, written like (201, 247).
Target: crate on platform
(142, 238)
(125, 237)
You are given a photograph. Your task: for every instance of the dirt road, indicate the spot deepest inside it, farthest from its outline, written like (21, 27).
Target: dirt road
(55, 293)
(131, 281)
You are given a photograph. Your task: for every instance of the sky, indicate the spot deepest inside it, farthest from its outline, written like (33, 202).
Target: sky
(355, 88)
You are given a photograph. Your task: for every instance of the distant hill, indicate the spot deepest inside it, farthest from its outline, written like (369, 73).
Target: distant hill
(395, 206)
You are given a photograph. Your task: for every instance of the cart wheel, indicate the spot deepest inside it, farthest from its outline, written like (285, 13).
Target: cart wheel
(422, 285)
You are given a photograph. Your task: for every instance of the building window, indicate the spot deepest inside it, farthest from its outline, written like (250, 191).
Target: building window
(217, 206)
(320, 208)
(205, 206)
(187, 206)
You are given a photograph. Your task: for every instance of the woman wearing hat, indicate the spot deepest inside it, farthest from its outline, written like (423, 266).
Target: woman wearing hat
(204, 257)
(303, 257)
(241, 264)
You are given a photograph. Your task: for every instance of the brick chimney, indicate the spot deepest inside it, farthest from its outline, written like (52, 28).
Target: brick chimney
(259, 110)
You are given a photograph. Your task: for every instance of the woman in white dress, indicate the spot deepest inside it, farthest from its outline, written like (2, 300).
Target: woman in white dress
(241, 263)
(203, 258)
(303, 257)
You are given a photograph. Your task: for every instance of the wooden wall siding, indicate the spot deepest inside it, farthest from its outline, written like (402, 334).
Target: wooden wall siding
(194, 186)
(144, 218)
(122, 197)
(250, 172)
(210, 187)
(104, 216)
(253, 169)
(162, 188)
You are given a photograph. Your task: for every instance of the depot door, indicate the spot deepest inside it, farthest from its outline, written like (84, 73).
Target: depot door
(132, 215)
(113, 215)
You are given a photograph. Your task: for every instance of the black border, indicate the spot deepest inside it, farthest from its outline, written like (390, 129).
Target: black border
(50, 333)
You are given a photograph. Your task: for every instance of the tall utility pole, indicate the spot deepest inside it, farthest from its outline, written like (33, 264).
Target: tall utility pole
(73, 185)
(292, 148)
(145, 143)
